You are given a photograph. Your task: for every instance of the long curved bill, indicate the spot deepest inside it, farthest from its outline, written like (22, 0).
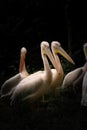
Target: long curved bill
(65, 55)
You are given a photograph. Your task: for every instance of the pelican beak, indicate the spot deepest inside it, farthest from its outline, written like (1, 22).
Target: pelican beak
(65, 55)
(50, 56)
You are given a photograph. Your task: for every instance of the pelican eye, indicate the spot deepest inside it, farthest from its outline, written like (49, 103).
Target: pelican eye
(46, 45)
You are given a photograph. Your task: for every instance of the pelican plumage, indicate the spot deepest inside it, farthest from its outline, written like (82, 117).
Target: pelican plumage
(84, 91)
(9, 84)
(36, 84)
(84, 83)
(58, 71)
(75, 77)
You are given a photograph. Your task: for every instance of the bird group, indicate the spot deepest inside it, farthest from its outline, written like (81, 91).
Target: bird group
(25, 87)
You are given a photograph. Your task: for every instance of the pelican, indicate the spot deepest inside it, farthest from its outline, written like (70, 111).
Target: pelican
(58, 71)
(75, 77)
(84, 91)
(84, 83)
(37, 84)
(9, 84)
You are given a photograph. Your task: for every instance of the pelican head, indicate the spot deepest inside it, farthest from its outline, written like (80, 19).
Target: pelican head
(85, 50)
(45, 50)
(23, 51)
(56, 46)
(22, 59)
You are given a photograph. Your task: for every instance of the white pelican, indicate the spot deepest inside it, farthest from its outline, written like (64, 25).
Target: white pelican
(58, 71)
(37, 84)
(9, 84)
(84, 83)
(84, 91)
(75, 77)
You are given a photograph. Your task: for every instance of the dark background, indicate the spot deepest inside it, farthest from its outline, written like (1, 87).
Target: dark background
(27, 23)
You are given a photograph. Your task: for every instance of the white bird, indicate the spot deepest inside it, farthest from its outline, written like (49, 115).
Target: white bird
(84, 91)
(84, 83)
(58, 71)
(9, 84)
(35, 85)
(75, 77)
